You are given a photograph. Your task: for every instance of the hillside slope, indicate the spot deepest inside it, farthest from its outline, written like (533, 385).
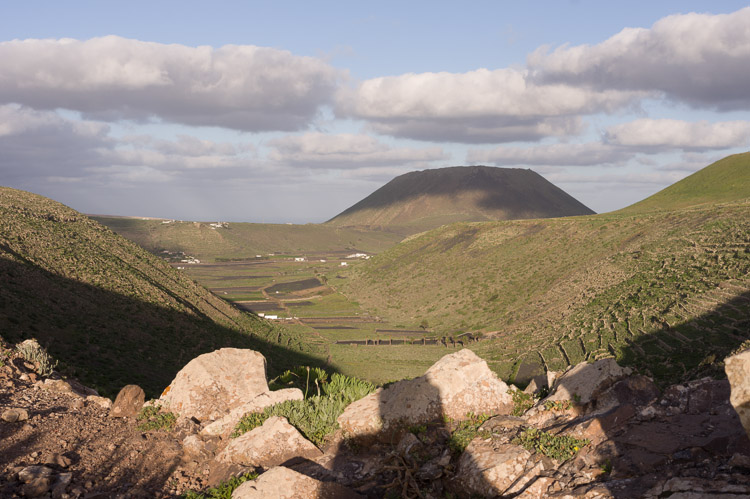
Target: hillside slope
(108, 307)
(422, 200)
(661, 291)
(245, 240)
(725, 181)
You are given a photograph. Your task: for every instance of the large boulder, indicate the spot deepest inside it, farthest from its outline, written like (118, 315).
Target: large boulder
(271, 444)
(283, 483)
(227, 423)
(584, 382)
(737, 368)
(491, 470)
(128, 402)
(458, 384)
(213, 384)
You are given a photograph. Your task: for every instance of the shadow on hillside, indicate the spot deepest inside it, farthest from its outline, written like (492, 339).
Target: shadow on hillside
(698, 425)
(690, 349)
(108, 340)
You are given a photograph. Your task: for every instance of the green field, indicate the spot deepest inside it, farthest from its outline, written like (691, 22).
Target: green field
(662, 285)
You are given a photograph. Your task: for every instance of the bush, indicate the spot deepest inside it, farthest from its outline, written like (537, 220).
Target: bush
(560, 447)
(315, 416)
(153, 419)
(466, 431)
(31, 351)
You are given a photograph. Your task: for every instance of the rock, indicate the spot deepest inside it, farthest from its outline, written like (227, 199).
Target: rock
(30, 473)
(213, 384)
(14, 415)
(502, 423)
(193, 446)
(102, 402)
(275, 442)
(490, 470)
(227, 423)
(77, 405)
(737, 368)
(61, 484)
(457, 384)
(128, 402)
(636, 390)
(407, 442)
(536, 384)
(584, 381)
(36, 487)
(283, 483)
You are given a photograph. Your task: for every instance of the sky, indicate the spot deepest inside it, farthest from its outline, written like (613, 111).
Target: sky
(290, 112)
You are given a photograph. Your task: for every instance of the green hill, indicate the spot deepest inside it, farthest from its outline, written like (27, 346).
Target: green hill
(423, 200)
(667, 292)
(726, 181)
(245, 240)
(111, 312)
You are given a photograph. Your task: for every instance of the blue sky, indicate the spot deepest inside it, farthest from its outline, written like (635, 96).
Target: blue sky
(292, 111)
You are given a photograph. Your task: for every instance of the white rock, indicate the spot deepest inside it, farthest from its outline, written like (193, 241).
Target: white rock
(490, 470)
(283, 483)
(227, 423)
(584, 381)
(275, 442)
(213, 384)
(737, 368)
(458, 384)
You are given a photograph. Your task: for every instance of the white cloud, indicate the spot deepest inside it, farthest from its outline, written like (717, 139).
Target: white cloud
(701, 59)
(474, 107)
(588, 154)
(677, 134)
(235, 86)
(346, 151)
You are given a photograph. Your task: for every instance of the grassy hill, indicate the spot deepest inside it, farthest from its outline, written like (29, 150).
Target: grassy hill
(667, 292)
(726, 181)
(110, 311)
(423, 200)
(245, 240)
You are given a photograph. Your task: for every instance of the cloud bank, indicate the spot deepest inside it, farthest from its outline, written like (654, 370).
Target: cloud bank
(698, 59)
(240, 87)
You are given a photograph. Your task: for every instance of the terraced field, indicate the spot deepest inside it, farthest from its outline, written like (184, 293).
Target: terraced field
(665, 292)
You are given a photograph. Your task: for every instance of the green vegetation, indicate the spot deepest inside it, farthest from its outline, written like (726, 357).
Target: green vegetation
(522, 402)
(466, 431)
(726, 181)
(560, 447)
(315, 416)
(658, 291)
(152, 418)
(111, 313)
(241, 242)
(223, 490)
(34, 353)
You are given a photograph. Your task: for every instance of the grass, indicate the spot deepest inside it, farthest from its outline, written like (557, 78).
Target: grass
(561, 291)
(725, 181)
(315, 416)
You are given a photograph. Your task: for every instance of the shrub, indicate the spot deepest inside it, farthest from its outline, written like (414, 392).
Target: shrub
(152, 418)
(466, 431)
(31, 351)
(560, 447)
(522, 402)
(315, 416)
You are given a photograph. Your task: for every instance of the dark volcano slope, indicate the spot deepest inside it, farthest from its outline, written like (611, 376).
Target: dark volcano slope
(427, 199)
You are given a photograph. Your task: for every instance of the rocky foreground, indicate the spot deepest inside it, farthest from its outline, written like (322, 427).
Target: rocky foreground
(457, 431)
